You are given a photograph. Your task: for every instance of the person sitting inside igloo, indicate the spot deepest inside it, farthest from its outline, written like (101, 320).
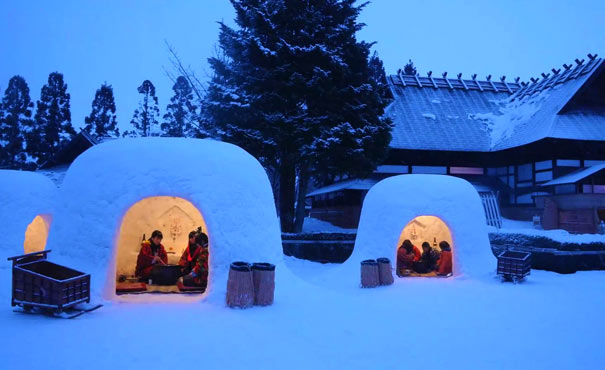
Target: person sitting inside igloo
(405, 258)
(152, 253)
(428, 260)
(407, 254)
(444, 265)
(194, 261)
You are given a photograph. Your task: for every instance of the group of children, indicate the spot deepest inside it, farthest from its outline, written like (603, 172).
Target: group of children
(193, 262)
(409, 258)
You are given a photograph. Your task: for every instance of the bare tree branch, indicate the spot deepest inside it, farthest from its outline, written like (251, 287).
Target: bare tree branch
(198, 87)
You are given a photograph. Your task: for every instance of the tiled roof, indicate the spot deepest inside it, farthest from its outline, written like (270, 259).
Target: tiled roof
(354, 184)
(439, 114)
(575, 176)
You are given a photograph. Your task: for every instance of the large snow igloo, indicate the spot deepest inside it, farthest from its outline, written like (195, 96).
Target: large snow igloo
(28, 202)
(429, 208)
(119, 190)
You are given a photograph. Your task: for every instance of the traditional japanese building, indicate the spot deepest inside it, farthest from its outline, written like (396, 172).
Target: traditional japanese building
(530, 149)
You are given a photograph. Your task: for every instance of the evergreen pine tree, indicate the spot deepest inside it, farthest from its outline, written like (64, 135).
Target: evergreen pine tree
(181, 112)
(145, 118)
(409, 68)
(379, 77)
(15, 124)
(296, 90)
(52, 120)
(102, 119)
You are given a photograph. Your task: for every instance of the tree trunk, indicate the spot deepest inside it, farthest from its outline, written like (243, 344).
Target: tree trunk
(303, 185)
(287, 188)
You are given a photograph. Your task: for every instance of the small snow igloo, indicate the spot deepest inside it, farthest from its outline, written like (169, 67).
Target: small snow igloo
(117, 193)
(28, 202)
(425, 208)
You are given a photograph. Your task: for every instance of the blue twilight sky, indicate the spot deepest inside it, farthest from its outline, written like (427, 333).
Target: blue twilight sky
(122, 41)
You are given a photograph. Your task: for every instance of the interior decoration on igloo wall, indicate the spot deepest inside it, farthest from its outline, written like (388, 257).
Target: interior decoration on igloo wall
(425, 208)
(28, 202)
(118, 190)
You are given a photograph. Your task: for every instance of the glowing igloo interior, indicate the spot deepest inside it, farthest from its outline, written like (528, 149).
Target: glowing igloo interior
(430, 229)
(36, 234)
(175, 217)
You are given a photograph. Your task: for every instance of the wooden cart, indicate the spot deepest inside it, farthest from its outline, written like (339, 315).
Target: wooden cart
(514, 265)
(41, 285)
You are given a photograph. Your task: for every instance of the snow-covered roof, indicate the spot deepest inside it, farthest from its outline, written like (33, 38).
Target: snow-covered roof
(23, 196)
(575, 176)
(355, 184)
(366, 184)
(228, 187)
(433, 117)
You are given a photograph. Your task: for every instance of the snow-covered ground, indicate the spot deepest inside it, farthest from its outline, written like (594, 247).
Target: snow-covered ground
(314, 225)
(527, 228)
(549, 322)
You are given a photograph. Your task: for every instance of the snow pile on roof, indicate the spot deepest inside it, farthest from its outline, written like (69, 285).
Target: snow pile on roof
(512, 114)
(23, 196)
(227, 185)
(392, 203)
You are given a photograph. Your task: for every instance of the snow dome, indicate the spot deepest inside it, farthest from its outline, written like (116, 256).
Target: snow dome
(431, 208)
(116, 193)
(28, 203)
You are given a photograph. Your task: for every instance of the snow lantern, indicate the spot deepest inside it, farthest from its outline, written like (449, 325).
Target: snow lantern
(425, 208)
(118, 192)
(28, 202)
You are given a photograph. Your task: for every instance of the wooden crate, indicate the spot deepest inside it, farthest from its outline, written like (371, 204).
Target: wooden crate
(514, 265)
(40, 283)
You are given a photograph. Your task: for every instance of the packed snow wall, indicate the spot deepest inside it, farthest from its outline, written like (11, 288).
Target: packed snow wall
(228, 187)
(395, 202)
(27, 202)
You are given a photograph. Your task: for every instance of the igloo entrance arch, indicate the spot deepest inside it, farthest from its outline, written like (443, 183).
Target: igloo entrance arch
(424, 229)
(36, 234)
(175, 217)
(28, 202)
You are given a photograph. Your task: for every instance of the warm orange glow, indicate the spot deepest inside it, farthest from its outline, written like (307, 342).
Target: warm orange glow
(428, 229)
(36, 234)
(174, 217)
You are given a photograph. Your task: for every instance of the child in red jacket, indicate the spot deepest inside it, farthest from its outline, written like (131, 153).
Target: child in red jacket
(152, 253)
(198, 275)
(444, 265)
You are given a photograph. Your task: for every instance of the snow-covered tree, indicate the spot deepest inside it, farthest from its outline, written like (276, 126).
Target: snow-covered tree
(180, 118)
(102, 119)
(409, 68)
(15, 123)
(296, 90)
(379, 76)
(52, 122)
(145, 118)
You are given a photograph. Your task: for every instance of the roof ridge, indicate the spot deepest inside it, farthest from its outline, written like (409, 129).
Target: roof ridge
(459, 83)
(548, 80)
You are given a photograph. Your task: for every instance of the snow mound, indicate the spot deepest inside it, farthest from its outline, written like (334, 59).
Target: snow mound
(394, 202)
(23, 196)
(226, 184)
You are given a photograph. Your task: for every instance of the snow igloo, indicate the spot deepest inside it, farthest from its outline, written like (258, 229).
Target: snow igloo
(28, 202)
(117, 193)
(425, 208)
